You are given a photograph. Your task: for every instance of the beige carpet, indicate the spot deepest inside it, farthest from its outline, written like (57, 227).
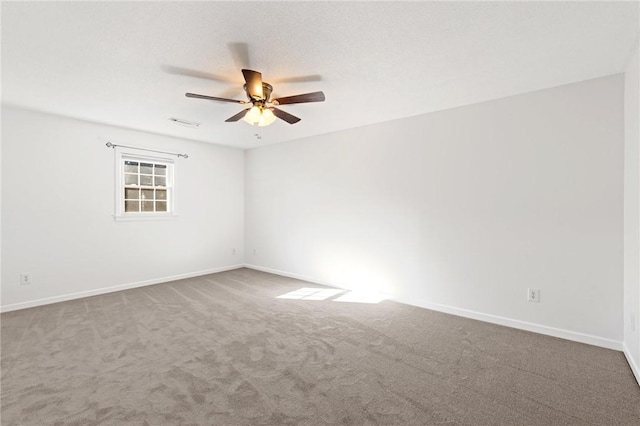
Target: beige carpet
(222, 350)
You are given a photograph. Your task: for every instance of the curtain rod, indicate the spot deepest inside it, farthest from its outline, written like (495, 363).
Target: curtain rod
(112, 145)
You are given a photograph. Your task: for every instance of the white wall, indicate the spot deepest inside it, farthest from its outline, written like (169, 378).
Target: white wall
(58, 204)
(632, 216)
(460, 210)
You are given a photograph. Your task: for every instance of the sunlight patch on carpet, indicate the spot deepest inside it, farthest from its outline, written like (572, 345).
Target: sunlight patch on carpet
(309, 293)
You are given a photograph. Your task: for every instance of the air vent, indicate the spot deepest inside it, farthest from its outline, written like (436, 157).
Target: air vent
(185, 123)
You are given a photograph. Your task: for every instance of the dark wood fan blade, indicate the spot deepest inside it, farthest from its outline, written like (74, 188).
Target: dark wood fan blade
(291, 119)
(301, 99)
(254, 83)
(213, 98)
(238, 116)
(195, 73)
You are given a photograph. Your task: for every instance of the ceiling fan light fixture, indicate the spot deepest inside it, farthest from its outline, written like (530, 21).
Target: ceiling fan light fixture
(266, 117)
(253, 115)
(260, 116)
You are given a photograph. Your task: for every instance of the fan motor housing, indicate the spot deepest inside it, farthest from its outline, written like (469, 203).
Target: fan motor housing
(266, 91)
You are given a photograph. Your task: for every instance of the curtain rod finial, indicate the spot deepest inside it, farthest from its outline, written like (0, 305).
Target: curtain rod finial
(109, 144)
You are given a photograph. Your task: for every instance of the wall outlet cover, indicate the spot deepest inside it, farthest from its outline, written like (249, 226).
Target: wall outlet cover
(25, 278)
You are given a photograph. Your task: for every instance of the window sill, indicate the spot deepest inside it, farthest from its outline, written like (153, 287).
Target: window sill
(143, 217)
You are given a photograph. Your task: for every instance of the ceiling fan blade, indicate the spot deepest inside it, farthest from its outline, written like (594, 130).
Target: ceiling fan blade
(213, 98)
(298, 79)
(300, 99)
(238, 116)
(195, 73)
(240, 54)
(254, 83)
(291, 119)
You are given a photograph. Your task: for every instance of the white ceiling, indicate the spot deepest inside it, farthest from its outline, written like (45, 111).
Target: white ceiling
(125, 63)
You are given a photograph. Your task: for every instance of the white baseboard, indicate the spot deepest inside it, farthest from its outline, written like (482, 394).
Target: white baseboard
(521, 325)
(494, 319)
(104, 290)
(632, 363)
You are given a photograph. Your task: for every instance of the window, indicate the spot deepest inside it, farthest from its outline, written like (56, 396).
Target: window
(144, 186)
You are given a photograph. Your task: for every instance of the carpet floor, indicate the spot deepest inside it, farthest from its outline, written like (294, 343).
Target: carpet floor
(222, 349)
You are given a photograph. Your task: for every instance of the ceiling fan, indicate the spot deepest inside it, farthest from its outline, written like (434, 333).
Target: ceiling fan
(263, 110)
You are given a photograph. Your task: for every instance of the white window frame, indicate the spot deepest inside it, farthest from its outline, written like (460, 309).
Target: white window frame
(124, 154)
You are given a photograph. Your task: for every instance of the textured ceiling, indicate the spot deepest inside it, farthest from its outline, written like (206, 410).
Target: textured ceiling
(126, 63)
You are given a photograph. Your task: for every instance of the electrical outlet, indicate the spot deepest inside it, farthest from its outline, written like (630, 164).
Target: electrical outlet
(25, 278)
(254, 252)
(233, 251)
(533, 295)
